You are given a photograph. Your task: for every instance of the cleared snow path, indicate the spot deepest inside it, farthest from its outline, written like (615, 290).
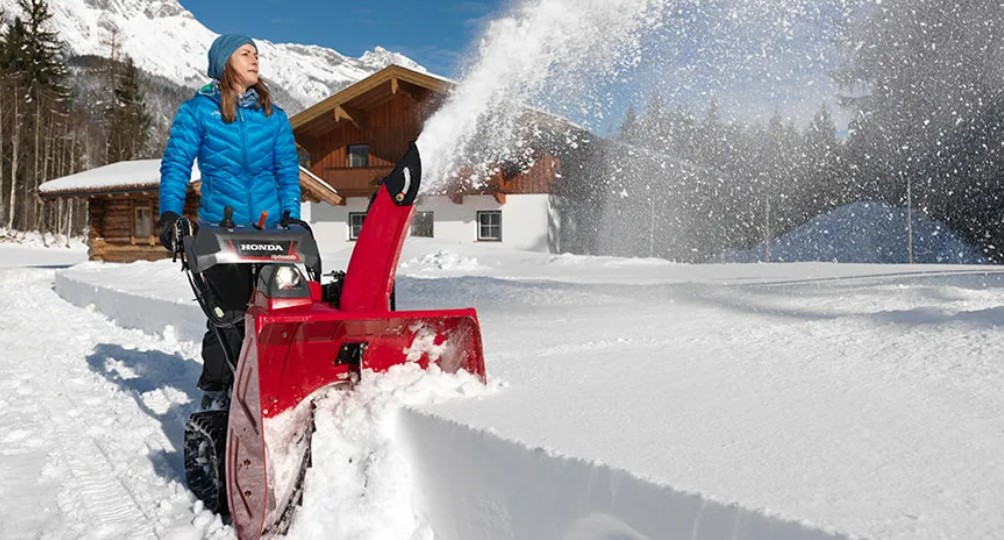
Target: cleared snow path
(88, 413)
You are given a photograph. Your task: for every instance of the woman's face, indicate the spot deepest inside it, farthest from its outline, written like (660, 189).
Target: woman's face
(244, 62)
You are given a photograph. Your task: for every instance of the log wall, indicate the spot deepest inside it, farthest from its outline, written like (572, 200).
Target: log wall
(112, 220)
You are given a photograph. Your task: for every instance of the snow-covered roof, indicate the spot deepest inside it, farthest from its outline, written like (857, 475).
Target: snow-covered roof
(121, 176)
(445, 79)
(138, 175)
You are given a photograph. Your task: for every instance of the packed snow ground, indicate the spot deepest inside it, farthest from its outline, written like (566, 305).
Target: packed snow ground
(632, 399)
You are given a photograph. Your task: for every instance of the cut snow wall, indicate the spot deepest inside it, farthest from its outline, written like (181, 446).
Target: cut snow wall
(151, 315)
(473, 484)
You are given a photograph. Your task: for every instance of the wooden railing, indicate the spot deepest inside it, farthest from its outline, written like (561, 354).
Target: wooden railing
(354, 181)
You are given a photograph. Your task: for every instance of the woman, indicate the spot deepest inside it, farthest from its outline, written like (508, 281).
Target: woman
(248, 162)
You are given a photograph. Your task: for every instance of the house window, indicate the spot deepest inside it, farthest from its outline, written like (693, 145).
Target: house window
(359, 155)
(356, 220)
(490, 226)
(143, 224)
(421, 225)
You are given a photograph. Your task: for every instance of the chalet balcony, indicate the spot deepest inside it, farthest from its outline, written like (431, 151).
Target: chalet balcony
(354, 181)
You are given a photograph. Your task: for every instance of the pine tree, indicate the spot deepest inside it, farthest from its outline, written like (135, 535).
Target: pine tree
(681, 128)
(711, 150)
(654, 125)
(127, 122)
(821, 161)
(15, 42)
(39, 56)
(630, 129)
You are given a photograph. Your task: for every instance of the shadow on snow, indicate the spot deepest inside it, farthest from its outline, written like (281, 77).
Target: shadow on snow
(138, 372)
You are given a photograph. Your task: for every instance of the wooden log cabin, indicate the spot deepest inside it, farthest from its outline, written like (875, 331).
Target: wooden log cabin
(122, 201)
(354, 138)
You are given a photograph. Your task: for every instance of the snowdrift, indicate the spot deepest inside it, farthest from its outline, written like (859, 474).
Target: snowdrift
(864, 232)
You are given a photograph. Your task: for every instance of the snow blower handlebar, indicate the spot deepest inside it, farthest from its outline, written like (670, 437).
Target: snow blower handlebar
(203, 246)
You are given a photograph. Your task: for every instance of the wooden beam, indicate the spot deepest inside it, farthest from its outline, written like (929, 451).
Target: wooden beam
(356, 116)
(501, 183)
(393, 85)
(409, 89)
(305, 141)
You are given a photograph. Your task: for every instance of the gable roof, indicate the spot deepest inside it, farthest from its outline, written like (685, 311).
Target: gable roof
(366, 94)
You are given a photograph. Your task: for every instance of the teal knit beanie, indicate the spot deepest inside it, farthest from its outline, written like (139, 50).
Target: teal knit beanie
(223, 47)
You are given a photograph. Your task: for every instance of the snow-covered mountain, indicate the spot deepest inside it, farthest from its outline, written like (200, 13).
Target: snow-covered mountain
(165, 39)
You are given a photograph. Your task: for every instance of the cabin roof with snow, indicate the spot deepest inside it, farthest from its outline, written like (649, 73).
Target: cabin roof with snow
(124, 176)
(144, 175)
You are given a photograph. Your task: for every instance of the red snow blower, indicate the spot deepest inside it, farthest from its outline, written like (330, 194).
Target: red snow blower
(302, 336)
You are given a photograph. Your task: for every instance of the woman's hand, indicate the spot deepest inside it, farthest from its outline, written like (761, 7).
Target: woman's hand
(166, 224)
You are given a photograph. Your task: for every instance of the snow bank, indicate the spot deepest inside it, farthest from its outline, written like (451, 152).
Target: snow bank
(864, 232)
(440, 260)
(359, 466)
(33, 249)
(34, 239)
(475, 484)
(149, 296)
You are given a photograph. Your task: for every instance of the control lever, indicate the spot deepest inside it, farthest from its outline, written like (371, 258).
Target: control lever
(262, 220)
(288, 219)
(228, 218)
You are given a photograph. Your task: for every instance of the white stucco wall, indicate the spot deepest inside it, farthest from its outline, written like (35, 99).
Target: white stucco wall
(526, 220)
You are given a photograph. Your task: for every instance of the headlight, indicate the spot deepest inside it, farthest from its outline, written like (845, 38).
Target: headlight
(287, 277)
(283, 281)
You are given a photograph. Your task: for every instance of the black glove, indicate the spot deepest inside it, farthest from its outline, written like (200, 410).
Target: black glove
(166, 224)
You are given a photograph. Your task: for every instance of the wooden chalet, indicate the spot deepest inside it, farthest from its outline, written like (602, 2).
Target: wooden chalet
(354, 138)
(123, 206)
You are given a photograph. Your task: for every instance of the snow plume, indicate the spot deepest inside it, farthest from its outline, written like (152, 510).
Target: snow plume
(587, 60)
(544, 48)
(359, 486)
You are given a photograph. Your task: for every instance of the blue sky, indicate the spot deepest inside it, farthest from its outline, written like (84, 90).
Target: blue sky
(434, 33)
(768, 58)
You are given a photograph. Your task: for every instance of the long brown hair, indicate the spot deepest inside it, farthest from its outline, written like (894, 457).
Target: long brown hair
(228, 96)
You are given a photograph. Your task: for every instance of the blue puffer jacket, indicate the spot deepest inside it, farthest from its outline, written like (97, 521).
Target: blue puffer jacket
(250, 164)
